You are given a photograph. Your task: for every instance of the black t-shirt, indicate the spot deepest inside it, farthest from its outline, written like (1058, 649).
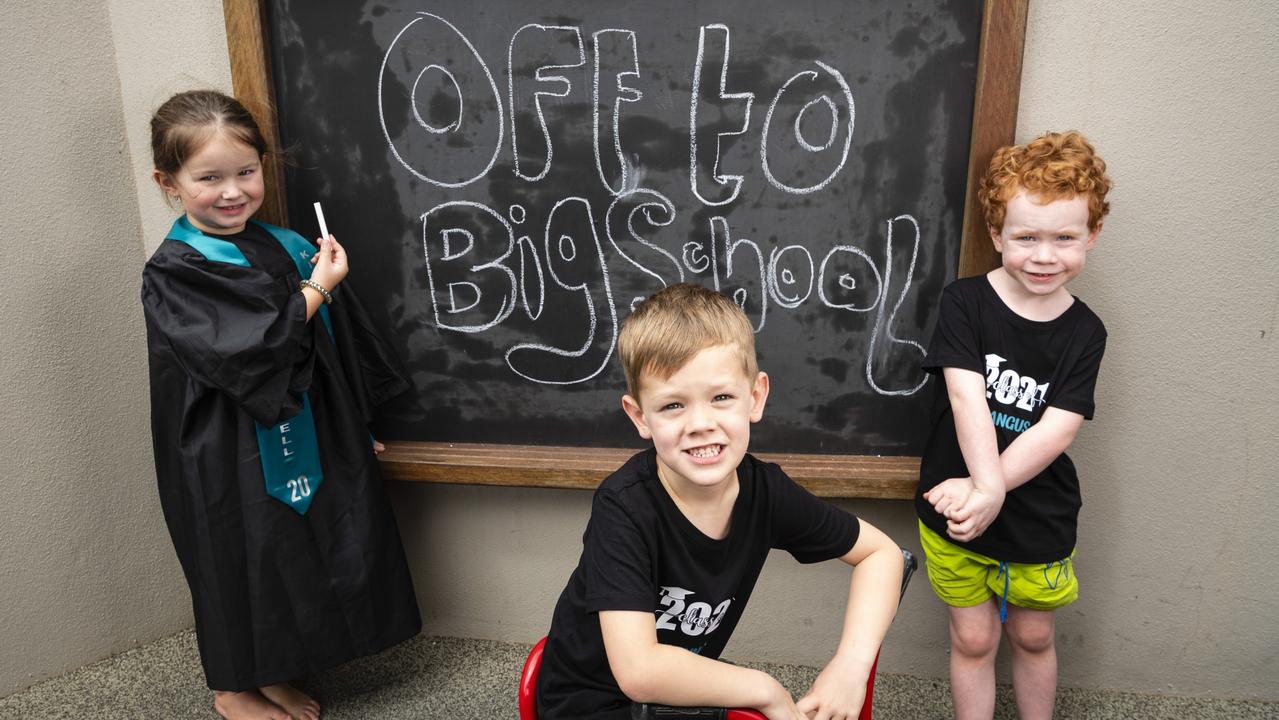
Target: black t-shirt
(640, 553)
(1029, 366)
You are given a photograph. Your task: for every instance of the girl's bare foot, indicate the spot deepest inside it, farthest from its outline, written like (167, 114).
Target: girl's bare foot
(296, 703)
(247, 705)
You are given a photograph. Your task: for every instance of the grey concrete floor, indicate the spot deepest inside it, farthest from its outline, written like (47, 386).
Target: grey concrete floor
(441, 678)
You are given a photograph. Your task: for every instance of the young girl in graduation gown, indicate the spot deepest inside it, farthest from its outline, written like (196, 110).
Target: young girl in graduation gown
(264, 370)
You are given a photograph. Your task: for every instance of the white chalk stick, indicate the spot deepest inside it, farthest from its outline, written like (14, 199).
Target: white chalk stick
(319, 215)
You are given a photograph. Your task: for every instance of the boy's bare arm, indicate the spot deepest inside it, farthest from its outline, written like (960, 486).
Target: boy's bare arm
(840, 688)
(976, 433)
(1023, 459)
(1035, 449)
(650, 672)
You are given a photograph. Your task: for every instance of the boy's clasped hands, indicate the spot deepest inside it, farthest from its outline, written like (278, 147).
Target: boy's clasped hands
(968, 508)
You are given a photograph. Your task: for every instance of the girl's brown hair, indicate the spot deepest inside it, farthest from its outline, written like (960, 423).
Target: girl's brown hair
(186, 121)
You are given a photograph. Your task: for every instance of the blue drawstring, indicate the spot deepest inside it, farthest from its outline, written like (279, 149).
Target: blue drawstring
(1003, 602)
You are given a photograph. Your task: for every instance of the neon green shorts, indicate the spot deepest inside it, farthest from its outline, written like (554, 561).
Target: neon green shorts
(963, 578)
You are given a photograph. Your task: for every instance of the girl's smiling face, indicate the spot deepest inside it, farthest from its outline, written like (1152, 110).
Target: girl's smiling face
(699, 418)
(220, 185)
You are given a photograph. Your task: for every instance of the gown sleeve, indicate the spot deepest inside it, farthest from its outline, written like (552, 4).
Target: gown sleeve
(373, 369)
(237, 329)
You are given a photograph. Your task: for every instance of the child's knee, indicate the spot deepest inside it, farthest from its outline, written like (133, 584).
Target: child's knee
(1031, 634)
(975, 637)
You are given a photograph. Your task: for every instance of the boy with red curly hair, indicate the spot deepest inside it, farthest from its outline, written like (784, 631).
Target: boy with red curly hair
(998, 498)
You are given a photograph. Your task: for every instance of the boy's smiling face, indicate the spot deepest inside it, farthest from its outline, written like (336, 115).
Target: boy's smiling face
(1044, 246)
(699, 418)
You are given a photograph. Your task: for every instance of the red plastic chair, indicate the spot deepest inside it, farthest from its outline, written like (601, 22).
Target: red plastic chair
(532, 664)
(528, 695)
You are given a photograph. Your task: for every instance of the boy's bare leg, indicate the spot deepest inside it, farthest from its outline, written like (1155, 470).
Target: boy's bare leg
(974, 640)
(298, 704)
(1030, 636)
(248, 705)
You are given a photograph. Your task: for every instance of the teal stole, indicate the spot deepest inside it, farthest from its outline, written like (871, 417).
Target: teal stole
(290, 451)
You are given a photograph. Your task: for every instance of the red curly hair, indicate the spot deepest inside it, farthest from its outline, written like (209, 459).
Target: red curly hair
(1053, 166)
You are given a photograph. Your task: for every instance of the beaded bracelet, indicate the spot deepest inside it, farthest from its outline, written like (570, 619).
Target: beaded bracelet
(308, 282)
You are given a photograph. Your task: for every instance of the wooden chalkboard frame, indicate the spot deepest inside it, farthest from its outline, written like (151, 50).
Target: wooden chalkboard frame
(994, 124)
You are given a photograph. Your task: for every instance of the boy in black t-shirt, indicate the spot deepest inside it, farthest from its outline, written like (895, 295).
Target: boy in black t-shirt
(678, 535)
(998, 498)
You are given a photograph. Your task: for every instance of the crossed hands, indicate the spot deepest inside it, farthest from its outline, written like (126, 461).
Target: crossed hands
(968, 509)
(782, 707)
(832, 697)
(837, 693)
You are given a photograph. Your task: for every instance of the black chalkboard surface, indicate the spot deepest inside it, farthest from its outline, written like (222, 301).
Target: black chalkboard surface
(510, 177)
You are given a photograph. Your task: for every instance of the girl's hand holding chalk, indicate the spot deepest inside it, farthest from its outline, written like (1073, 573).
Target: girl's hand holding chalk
(331, 266)
(330, 262)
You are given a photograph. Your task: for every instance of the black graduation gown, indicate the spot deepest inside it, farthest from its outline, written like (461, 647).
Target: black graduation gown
(276, 594)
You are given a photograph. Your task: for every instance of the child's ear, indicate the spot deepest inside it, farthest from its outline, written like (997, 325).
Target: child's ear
(1092, 236)
(636, 414)
(996, 236)
(759, 396)
(165, 182)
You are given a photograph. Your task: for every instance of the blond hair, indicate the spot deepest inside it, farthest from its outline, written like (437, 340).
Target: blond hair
(1054, 166)
(670, 327)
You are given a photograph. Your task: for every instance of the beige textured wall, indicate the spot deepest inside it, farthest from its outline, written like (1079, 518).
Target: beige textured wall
(1179, 593)
(1181, 463)
(163, 47)
(86, 567)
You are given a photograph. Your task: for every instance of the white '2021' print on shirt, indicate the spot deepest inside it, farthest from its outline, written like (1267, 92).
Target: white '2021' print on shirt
(1008, 385)
(692, 619)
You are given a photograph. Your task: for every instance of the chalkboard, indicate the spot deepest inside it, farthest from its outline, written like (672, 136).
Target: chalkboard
(510, 178)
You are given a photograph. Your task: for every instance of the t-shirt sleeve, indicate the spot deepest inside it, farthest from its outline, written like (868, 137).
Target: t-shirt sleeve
(955, 339)
(233, 328)
(1076, 391)
(616, 564)
(807, 527)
